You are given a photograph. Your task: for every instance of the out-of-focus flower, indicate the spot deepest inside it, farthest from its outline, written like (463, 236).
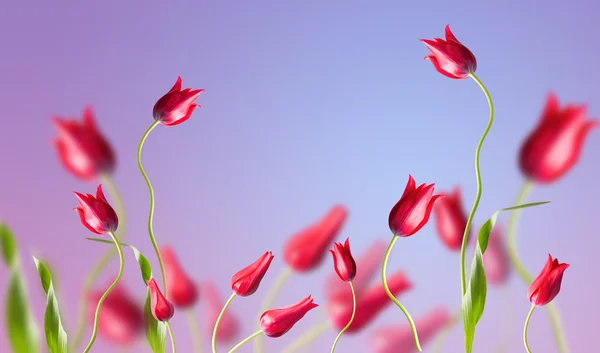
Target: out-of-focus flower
(450, 57)
(162, 309)
(181, 290)
(229, 325)
(81, 147)
(306, 250)
(547, 284)
(495, 260)
(451, 219)
(554, 146)
(177, 105)
(343, 262)
(96, 213)
(247, 280)
(413, 209)
(275, 323)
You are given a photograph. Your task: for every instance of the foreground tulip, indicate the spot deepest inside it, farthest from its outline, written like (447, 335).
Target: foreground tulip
(554, 146)
(450, 57)
(229, 325)
(547, 284)
(162, 309)
(343, 262)
(81, 147)
(181, 290)
(451, 219)
(96, 213)
(275, 323)
(495, 259)
(247, 280)
(177, 105)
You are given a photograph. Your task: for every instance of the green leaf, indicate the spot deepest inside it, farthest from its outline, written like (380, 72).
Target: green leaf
(8, 244)
(22, 331)
(56, 337)
(473, 301)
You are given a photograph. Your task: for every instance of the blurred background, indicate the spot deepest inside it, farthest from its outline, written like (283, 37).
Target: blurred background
(307, 104)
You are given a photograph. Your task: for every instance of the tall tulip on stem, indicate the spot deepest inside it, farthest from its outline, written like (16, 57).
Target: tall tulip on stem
(345, 267)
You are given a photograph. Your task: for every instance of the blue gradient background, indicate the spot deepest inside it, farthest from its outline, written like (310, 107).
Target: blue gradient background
(308, 104)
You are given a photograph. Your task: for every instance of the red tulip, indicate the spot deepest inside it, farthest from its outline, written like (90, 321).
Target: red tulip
(96, 213)
(399, 338)
(451, 219)
(181, 290)
(82, 148)
(495, 259)
(554, 146)
(229, 326)
(246, 281)
(162, 309)
(450, 57)
(275, 323)
(370, 304)
(343, 262)
(307, 249)
(413, 209)
(121, 319)
(547, 284)
(177, 105)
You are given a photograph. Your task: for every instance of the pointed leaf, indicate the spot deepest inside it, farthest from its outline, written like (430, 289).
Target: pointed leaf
(9, 246)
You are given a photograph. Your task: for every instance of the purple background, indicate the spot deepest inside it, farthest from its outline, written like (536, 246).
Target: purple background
(307, 104)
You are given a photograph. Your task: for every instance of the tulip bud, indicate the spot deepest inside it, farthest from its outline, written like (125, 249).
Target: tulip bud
(449, 57)
(229, 325)
(413, 209)
(451, 219)
(181, 290)
(275, 323)
(162, 309)
(177, 105)
(547, 284)
(96, 213)
(343, 262)
(246, 281)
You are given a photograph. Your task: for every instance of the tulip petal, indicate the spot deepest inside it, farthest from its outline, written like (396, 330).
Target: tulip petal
(450, 36)
(410, 186)
(100, 194)
(177, 86)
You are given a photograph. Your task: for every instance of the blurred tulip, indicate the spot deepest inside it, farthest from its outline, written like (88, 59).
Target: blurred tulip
(547, 284)
(495, 259)
(450, 57)
(177, 105)
(247, 280)
(229, 326)
(181, 290)
(451, 219)
(162, 309)
(96, 213)
(275, 323)
(343, 262)
(413, 209)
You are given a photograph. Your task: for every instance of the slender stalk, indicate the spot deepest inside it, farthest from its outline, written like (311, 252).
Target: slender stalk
(214, 336)
(351, 318)
(525, 329)
(194, 330)
(308, 337)
(391, 296)
(283, 276)
(171, 336)
(255, 334)
(107, 292)
(151, 213)
(441, 338)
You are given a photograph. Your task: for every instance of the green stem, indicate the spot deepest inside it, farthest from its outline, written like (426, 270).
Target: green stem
(112, 286)
(513, 253)
(351, 318)
(441, 338)
(195, 331)
(104, 261)
(308, 337)
(214, 336)
(171, 336)
(283, 276)
(255, 334)
(391, 296)
(151, 214)
(463, 248)
(525, 329)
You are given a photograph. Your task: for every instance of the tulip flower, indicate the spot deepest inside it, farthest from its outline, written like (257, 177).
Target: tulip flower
(229, 325)
(162, 309)
(450, 57)
(96, 213)
(177, 105)
(275, 323)
(81, 147)
(343, 262)
(181, 290)
(451, 219)
(247, 280)
(554, 146)
(495, 259)
(547, 284)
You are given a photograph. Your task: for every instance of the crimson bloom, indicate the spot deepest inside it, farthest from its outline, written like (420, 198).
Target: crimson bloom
(451, 219)
(247, 280)
(229, 326)
(177, 105)
(554, 146)
(449, 57)
(343, 262)
(413, 209)
(81, 147)
(162, 309)
(495, 259)
(547, 284)
(96, 213)
(181, 290)
(307, 249)
(275, 323)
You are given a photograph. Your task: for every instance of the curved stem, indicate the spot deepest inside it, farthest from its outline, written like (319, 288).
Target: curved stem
(308, 337)
(525, 329)
(283, 276)
(463, 248)
(351, 318)
(245, 341)
(195, 330)
(391, 296)
(219, 318)
(112, 286)
(441, 338)
(171, 336)
(151, 213)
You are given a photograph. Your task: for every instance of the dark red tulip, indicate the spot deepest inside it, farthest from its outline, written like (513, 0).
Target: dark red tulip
(177, 105)
(307, 249)
(554, 146)
(246, 281)
(495, 260)
(451, 219)
(181, 290)
(343, 262)
(547, 284)
(413, 209)
(368, 306)
(121, 319)
(449, 57)
(96, 213)
(229, 326)
(399, 338)
(162, 309)
(275, 323)
(81, 147)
